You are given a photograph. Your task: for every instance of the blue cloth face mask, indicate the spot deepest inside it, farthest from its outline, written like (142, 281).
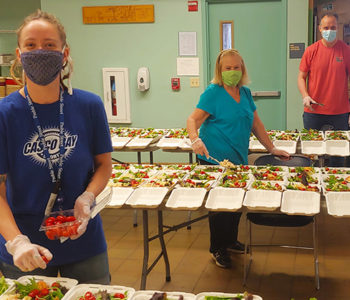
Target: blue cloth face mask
(329, 35)
(42, 66)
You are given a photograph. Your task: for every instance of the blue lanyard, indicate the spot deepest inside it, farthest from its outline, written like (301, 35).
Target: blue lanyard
(55, 181)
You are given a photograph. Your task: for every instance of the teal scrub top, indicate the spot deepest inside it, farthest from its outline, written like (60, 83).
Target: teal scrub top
(226, 131)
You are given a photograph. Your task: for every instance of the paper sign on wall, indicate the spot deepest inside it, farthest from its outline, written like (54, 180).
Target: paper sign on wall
(187, 66)
(187, 43)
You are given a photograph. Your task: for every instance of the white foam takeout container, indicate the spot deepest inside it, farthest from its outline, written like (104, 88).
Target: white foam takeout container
(225, 199)
(255, 145)
(120, 142)
(80, 290)
(169, 143)
(315, 176)
(325, 176)
(147, 197)
(338, 204)
(262, 199)
(102, 200)
(344, 170)
(66, 282)
(313, 147)
(147, 295)
(289, 146)
(119, 196)
(300, 203)
(139, 143)
(337, 147)
(10, 283)
(186, 198)
(186, 144)
(201, 296)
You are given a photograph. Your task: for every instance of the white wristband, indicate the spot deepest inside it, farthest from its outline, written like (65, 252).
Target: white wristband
(195, 140)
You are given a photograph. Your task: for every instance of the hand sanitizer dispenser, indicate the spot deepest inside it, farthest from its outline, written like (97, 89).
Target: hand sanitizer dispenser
(143, 79)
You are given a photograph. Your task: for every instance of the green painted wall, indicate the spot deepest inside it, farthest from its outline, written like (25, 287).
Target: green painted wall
(297, 32)
(12, 14)
(153, 45)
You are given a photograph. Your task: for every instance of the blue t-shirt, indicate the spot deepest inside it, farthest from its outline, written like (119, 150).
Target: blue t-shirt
(226, 131)
(29, 183)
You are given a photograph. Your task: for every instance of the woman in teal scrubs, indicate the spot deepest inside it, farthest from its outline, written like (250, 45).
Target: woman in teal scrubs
(226, 115)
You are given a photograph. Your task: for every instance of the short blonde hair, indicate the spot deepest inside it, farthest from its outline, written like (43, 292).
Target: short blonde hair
(218, 77)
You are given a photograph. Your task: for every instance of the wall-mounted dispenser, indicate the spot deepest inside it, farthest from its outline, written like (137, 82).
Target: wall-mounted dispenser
(143, 79)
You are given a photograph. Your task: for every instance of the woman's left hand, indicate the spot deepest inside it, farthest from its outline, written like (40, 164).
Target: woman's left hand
(278, 152)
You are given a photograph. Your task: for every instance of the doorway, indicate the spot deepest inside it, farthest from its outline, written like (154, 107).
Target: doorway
(258, 32)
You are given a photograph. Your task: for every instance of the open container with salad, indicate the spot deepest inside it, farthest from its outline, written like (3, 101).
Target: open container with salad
(159, 295)
(5, 284)
(337, 143)
(99, 292)
(226, 296)
(37, 287)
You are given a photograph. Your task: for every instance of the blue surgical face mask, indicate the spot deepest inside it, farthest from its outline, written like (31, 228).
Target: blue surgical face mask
(329, 35)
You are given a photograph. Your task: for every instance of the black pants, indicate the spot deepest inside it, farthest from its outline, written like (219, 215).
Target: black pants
(223, 226)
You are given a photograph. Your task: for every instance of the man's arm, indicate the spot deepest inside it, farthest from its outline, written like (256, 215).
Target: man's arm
(307, 100)
(302, 84)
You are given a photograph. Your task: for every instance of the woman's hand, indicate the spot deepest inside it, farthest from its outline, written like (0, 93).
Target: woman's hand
(278, 152)
(27, 256)
(199, 148)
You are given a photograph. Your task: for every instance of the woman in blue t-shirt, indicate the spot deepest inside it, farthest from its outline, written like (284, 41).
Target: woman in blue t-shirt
(54, 144)
(226, 115)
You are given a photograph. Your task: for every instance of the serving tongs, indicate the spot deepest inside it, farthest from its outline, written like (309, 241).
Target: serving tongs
(316, 103)
(304, 179)
(214, 159)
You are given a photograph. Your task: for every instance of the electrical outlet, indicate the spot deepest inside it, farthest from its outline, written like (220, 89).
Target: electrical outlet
(194, 81)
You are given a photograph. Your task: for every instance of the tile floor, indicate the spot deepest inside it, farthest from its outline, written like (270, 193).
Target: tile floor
(275, 273)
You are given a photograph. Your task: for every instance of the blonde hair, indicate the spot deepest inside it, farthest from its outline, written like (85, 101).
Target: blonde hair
(67, 68)
(218, 77)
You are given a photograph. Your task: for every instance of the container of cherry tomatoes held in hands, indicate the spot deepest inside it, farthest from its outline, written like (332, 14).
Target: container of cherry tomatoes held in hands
(60, 224)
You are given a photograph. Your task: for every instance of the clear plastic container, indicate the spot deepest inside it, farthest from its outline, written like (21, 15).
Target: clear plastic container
(60, 224)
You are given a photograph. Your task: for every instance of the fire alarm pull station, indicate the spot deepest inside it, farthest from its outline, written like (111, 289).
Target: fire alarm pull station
(175, 84)
(192, 5)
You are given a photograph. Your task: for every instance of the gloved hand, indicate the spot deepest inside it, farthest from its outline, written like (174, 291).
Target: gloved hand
(199, 147)
(27, 256)
(82, 211)
(307, 101)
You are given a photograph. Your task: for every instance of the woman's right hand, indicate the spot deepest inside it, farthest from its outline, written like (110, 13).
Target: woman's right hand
(27, 256)
(199, 148)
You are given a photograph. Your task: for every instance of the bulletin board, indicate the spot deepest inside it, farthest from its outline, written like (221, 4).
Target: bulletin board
(118, 14)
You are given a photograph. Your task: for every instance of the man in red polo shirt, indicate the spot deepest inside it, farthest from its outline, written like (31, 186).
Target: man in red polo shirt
(323, 79)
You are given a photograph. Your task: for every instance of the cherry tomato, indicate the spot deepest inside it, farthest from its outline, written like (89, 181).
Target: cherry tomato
(70, 219)
(33, 293)
(51, 234)
(72, 229)
(65, 231)
(44, 259)
(43, 292)
(61, 219)
(56, 284)
(119, 295)
(89, 296)
(49, 221)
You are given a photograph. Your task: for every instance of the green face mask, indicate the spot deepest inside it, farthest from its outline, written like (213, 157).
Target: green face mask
(231, 78)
